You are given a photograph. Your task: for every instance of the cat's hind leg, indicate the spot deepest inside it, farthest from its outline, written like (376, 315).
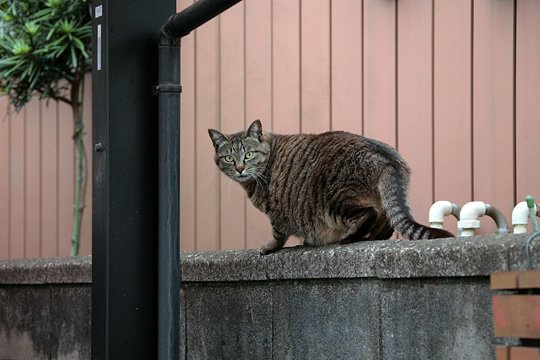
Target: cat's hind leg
(278, 241)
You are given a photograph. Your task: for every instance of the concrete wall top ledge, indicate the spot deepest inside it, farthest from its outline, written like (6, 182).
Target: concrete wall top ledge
(475, 256)
(68, 270)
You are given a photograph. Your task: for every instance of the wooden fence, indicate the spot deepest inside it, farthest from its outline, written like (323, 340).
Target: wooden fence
(454, 85)
(37, 176)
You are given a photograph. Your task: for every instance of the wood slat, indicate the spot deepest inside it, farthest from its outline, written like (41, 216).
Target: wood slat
(504, 280)
(32, 184)
(286, 111)
(527, 95)
(414, 106)
(258, 97)
(187, 140)
(524, 353)
(493, 110)
(452, 103)
(66, 179)
(4, 177)
(17, 185)
(517, 316)
(286, 66)
(380, 70)
(315, 66)
(232, 120)
(508, 280)
(516, 353)
(49, 180)
(502, 352)
(346, 65)
(206, 116)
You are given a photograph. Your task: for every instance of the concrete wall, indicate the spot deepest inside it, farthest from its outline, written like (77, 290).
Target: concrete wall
(373, 300)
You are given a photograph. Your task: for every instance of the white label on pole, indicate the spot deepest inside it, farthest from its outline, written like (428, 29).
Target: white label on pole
(98, 12)
(98, 53)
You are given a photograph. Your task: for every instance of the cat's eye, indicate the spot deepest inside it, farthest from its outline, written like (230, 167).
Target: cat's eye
(249, 155)
(228, 159)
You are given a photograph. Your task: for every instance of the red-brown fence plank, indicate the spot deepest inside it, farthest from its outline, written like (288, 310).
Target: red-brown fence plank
(66, 179)
(527, 95)
(286, 109)
(524, 353)
(5, 150)
(493, 106)
(414, 95)
(187, 140)
(516, 316)
(286, 66)
(315, 66)
(516, 353)
(346, 65)
(32, 217)
(206, 116)
(452, 102)
(258, 97)
(232, 120)
(380, 70)
(17, 182)
(508, 280)
(49, 180)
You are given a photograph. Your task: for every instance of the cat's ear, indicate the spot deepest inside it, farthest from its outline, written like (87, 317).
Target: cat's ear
(217, 137)
(255, 130)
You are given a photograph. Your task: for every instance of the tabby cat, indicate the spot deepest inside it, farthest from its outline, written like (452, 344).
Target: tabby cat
(329, 188)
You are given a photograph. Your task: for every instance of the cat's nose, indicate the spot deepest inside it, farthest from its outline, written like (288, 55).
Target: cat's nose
(240, 168)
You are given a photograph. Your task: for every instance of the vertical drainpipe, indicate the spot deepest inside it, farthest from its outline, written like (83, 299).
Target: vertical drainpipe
(168, 90)
(169, 273)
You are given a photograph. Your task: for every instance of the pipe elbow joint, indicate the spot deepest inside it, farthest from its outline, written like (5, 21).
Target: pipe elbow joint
(470, 215)
(520, 214)
(520, 217)
(439, 210)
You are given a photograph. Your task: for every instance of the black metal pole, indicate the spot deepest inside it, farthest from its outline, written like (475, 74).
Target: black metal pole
(125, 173)
(168, 90)
(187, 20)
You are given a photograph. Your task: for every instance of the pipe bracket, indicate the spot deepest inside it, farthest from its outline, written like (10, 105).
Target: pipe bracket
(167, 88)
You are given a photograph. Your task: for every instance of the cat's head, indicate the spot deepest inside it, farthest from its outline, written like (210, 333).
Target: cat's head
(241, 156)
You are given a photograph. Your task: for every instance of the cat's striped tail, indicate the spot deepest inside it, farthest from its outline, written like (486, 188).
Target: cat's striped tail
(393, 191)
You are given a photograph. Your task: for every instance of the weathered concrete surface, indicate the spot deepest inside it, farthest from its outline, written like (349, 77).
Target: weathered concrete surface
(472, 256)
(44, 322)
(63, 270)
(436, 319)
(228, 322)
(325, 320)
(24, 323)
(373, 300)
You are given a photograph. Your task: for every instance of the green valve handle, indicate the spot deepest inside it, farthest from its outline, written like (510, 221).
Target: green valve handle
(532, 213)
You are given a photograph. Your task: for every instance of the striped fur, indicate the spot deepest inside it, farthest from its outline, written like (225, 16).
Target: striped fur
(334, 187)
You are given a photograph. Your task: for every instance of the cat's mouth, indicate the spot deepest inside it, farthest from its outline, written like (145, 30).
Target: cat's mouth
(242, 178)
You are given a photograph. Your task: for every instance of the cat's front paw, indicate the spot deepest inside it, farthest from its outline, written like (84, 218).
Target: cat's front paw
(268, 249)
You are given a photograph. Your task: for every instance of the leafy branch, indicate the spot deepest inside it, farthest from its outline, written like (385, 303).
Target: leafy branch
(45, 51)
